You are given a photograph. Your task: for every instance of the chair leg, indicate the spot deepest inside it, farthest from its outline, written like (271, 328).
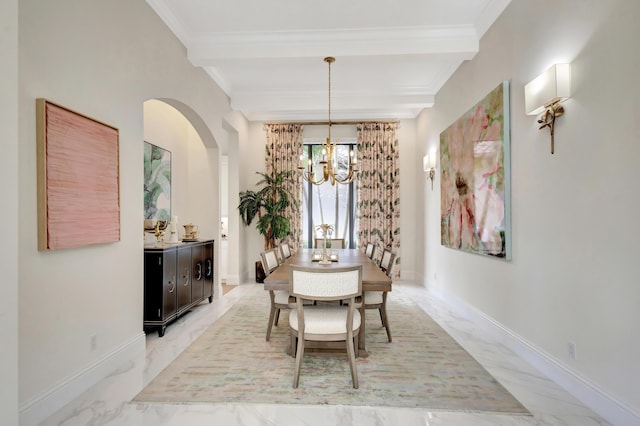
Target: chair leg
(299, 355)
(293, 345)
(355, 345)
(277, 317)
(352, 361)
(383, 314)
(272, 313)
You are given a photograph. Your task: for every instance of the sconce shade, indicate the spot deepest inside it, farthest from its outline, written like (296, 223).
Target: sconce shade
(554, 85)
(429, 162)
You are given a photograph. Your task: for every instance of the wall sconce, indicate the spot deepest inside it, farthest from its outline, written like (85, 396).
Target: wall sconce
(543, 95)
(429, 165)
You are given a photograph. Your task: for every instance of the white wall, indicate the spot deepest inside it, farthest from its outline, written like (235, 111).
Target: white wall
(237, 129)
(165, 127)
(9, 212)
(573, 276)
(193, 167)
(251, 155)
(104, 59)
(410, 178)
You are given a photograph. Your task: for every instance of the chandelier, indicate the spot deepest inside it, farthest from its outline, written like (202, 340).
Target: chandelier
(329, 161)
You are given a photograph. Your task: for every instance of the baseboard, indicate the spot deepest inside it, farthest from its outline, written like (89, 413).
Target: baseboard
(582, 389)
(42, 406)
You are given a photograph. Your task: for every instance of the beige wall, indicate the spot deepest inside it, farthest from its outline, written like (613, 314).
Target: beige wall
(96, 59)
(573, 276)
(194, 167)
(9, 212)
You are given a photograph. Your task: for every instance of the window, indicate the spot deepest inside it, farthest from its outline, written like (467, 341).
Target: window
(326, 203)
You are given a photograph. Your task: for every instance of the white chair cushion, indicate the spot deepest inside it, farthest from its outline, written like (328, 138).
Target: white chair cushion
(372, 297)
(281, 297)
(324, 319)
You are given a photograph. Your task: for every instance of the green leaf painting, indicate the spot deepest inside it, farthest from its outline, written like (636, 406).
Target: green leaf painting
(157, 182)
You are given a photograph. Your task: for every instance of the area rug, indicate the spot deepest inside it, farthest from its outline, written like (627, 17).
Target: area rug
(226, 288)
(423, 367)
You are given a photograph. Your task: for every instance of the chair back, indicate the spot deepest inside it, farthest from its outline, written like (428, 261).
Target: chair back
(334, 283)
(336, 243)
(387, 261)
(369, 250)
(285, 250)
(269, 260)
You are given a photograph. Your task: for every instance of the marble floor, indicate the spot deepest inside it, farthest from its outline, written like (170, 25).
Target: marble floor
(108, 403)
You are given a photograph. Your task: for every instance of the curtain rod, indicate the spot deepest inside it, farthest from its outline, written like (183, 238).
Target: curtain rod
(326, 123)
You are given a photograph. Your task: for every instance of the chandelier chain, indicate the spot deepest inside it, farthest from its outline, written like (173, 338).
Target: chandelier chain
(329, 61)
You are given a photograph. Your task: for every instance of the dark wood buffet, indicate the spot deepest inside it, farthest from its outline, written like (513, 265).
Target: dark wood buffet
(176, 278)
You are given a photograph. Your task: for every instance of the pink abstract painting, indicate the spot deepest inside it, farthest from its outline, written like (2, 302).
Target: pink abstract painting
(475, 178)
(78, 188)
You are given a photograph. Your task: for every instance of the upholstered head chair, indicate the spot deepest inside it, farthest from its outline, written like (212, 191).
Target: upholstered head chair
(325, 322)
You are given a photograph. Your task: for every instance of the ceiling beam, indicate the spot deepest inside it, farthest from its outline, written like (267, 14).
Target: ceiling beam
(209, 49)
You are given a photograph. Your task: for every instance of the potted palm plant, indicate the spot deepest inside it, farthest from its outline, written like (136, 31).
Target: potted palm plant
(268, 204)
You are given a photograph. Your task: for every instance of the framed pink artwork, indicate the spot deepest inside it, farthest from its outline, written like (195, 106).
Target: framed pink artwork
(78, 179)
(475, 178)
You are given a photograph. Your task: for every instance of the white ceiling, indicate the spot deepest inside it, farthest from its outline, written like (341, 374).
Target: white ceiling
(392, 56)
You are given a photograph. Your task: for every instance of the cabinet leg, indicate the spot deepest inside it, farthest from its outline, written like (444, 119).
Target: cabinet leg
(161, 330)
(211, 299)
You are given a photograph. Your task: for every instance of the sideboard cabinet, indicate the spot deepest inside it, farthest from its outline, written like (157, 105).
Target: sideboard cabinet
(176, 278)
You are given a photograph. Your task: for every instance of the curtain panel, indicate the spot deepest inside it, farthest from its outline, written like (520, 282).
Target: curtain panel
(379, 188)
(283, 150)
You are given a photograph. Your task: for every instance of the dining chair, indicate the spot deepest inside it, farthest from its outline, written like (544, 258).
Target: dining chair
(336, 243)
(279, 298)
(325, 322)
(279, 255)
(285, 250)
(386, 261)
(378, 299)
(369, 250)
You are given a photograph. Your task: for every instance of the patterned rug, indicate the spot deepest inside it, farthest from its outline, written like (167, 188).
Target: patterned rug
(424, 367)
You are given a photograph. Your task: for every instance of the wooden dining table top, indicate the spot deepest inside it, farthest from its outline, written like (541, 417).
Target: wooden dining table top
(373, 279)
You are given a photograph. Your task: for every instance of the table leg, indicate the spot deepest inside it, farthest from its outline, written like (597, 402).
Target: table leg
(361, 336)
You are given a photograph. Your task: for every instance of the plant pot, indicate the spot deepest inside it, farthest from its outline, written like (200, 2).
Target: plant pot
(260, 275)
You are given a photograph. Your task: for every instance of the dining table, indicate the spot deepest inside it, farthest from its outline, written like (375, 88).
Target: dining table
(373, 278)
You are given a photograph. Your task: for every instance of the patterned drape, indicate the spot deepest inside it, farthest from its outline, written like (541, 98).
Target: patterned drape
(283, 150)
(379, 188)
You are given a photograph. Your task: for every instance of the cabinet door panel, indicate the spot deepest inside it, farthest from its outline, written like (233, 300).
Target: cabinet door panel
(197, 281)
(184, 277)
(169, 285)
(208, 270)
(153, 270)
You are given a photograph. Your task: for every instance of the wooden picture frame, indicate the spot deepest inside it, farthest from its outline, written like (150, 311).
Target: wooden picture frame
(78, 179)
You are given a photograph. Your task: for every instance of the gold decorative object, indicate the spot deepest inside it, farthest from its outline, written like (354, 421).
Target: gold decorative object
(161, 225)
(543, 95)
(328, 162)
(429, 166)
(548, 119)
(326, 230)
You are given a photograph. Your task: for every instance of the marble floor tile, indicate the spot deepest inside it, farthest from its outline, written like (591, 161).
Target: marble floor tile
(108, 403)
